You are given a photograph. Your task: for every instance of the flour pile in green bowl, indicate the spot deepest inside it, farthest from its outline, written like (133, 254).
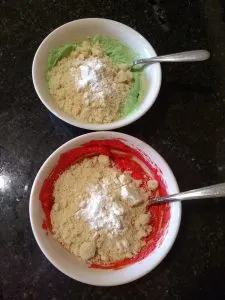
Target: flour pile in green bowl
(103, 62)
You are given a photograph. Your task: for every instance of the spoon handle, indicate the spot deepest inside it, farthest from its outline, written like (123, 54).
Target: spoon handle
(213, 191)
(195, 55)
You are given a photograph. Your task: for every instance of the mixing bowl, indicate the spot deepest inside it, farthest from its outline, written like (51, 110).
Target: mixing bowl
(69, 264)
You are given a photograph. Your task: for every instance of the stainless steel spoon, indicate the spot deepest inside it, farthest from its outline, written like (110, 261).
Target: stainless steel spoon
(196, 55)
(213, 191)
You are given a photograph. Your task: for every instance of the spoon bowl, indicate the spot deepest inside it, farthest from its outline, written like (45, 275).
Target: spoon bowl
(67, 263)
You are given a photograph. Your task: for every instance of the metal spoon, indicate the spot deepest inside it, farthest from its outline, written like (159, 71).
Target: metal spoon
(196, 55)
(213, 191)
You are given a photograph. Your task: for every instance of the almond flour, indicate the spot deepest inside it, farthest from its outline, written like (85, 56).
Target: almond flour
(88, 86)
(99, 213)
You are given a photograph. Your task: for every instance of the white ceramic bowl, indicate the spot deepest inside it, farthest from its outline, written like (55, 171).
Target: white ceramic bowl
(66, 262)
(151, 79)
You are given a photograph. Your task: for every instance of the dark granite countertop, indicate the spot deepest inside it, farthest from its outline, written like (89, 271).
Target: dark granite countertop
(186, 125)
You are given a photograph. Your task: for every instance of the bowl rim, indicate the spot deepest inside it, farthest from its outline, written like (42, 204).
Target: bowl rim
(177, 205)
(105, 126)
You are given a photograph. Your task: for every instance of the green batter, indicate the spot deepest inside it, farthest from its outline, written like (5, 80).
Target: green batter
(119, 54)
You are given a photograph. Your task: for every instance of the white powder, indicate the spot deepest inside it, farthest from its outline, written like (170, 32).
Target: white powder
(100, 210)
(88, 72)
(89, 77)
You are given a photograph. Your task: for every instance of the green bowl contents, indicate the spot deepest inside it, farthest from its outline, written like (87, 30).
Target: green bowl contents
(119, 55)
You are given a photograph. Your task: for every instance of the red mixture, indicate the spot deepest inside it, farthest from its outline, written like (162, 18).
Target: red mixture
(122, 155)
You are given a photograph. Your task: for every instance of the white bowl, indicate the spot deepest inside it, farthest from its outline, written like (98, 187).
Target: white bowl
(66, 262)
(151, 79)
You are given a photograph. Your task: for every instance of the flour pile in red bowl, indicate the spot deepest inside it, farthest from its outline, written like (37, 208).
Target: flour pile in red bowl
(96, 204)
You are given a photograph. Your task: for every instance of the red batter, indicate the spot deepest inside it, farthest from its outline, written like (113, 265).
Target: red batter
(160, 214)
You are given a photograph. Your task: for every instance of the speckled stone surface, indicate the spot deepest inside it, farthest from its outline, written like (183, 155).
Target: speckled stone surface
(186, 125)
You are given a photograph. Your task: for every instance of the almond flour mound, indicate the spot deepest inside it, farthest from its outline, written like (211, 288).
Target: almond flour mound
(99, 213)
(88, 86)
